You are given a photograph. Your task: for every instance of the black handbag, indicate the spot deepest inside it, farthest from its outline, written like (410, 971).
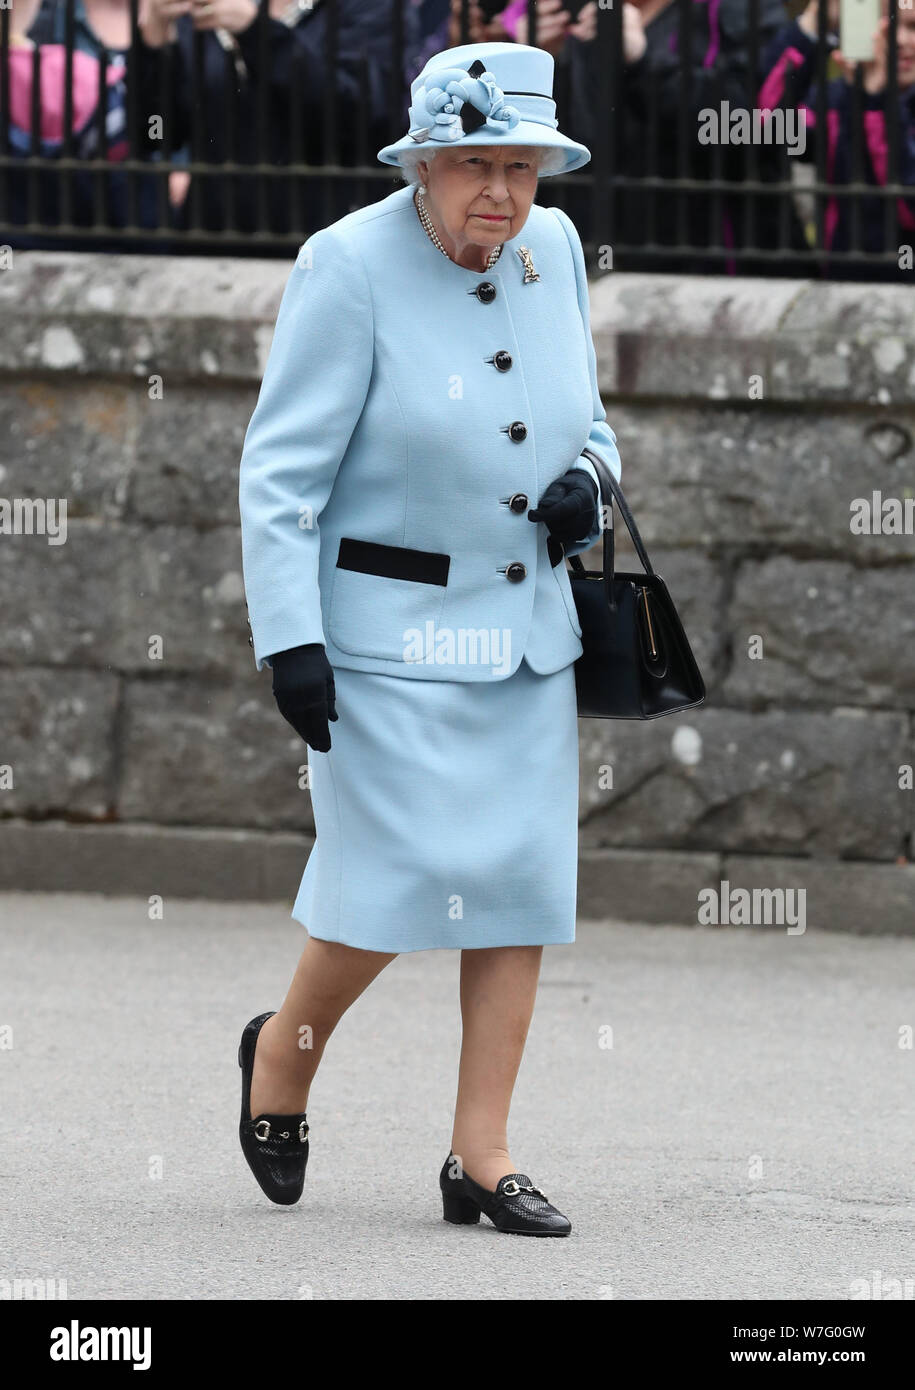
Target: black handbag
(637, 662)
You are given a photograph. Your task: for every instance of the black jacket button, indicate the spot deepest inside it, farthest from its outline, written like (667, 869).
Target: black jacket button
(485, 292)
(518, 502)
(517, 431)
(502, 361)
(516, 572)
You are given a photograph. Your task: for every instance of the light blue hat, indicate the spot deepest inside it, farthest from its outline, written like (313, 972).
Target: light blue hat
(486, 94)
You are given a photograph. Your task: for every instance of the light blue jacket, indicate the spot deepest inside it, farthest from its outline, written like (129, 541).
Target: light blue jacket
(378, 470)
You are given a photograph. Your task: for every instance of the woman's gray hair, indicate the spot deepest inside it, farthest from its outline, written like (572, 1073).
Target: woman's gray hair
(549, 158)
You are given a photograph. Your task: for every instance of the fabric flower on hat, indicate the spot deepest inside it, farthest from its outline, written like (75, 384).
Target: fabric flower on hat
(440, 107)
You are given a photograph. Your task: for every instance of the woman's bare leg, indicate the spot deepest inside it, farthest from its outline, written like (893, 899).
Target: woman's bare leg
(498, 990)
(328, 978)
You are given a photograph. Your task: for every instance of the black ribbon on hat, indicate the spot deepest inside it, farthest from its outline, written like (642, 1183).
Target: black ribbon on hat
(471, 119)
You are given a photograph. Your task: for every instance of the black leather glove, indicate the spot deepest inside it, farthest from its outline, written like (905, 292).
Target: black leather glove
(303, 685)
(569, 506)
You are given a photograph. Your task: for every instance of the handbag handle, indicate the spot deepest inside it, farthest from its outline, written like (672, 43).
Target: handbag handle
(610, 489)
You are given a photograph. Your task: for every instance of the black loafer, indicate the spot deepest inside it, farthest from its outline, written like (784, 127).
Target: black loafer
(276, 1146)
(516, 1207)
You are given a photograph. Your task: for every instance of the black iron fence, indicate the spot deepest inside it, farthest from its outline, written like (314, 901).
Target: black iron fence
(727, 136)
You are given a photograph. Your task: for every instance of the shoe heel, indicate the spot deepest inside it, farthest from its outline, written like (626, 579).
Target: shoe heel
(460, 1211)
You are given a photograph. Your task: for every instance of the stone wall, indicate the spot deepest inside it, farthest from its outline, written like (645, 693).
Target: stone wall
(143, 752)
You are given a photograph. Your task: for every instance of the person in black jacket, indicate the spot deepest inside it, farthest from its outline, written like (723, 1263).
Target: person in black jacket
(276, 84)
(655, 122)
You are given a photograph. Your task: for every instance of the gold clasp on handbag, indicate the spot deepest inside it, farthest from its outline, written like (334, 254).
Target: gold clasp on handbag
(653, 648)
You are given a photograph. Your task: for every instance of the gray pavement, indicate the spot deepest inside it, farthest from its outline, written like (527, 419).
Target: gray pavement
(749, 1134)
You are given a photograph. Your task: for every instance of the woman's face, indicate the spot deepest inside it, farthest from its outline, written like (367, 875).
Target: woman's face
(480, 194)
(23, 14)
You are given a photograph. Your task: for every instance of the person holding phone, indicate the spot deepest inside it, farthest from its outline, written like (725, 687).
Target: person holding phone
(790, 66)
(225, 93)
(653, 129)
(874, 70)
(557, 20)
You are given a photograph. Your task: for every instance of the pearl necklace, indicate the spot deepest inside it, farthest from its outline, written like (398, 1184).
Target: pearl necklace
(426, 221)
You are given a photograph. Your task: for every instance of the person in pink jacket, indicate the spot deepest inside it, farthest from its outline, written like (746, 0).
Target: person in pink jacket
(790, 66)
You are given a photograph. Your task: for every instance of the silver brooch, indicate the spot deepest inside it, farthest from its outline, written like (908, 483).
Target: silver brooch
(530, 274)
(419, 135)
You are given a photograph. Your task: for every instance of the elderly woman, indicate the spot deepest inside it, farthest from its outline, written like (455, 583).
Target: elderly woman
(410, 481)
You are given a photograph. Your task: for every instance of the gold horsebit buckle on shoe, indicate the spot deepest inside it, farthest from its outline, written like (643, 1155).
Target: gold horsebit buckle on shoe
(512, 1188)
(282, 1134)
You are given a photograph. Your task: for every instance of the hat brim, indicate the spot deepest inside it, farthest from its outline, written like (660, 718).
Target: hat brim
(524, 133)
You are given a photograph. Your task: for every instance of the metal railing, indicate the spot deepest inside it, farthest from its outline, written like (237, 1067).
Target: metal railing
(247, 143)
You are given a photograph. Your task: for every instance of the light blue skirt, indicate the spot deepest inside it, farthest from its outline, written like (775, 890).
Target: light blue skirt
(446, 814)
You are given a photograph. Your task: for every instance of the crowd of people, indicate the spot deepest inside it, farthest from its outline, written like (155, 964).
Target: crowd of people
(230, 93)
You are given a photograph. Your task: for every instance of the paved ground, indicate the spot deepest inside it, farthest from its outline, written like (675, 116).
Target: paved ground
(749, 1134)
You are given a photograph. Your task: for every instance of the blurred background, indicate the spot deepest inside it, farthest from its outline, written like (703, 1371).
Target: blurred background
(200, 125)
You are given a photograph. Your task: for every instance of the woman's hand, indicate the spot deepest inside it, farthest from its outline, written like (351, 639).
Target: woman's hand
(552, 26)
(568, 508)
(179, 181)
(303, 686)
(478, 29)
(810, 23)
(234, 15)
(634, 40)
(156, 20)
(585, 27)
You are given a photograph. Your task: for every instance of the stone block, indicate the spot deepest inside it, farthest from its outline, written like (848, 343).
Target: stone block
(830, 633)
(775, 782)
(195, 753)
(57, 743)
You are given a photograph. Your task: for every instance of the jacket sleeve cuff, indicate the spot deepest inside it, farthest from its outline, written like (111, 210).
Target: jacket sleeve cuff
(585, 543)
